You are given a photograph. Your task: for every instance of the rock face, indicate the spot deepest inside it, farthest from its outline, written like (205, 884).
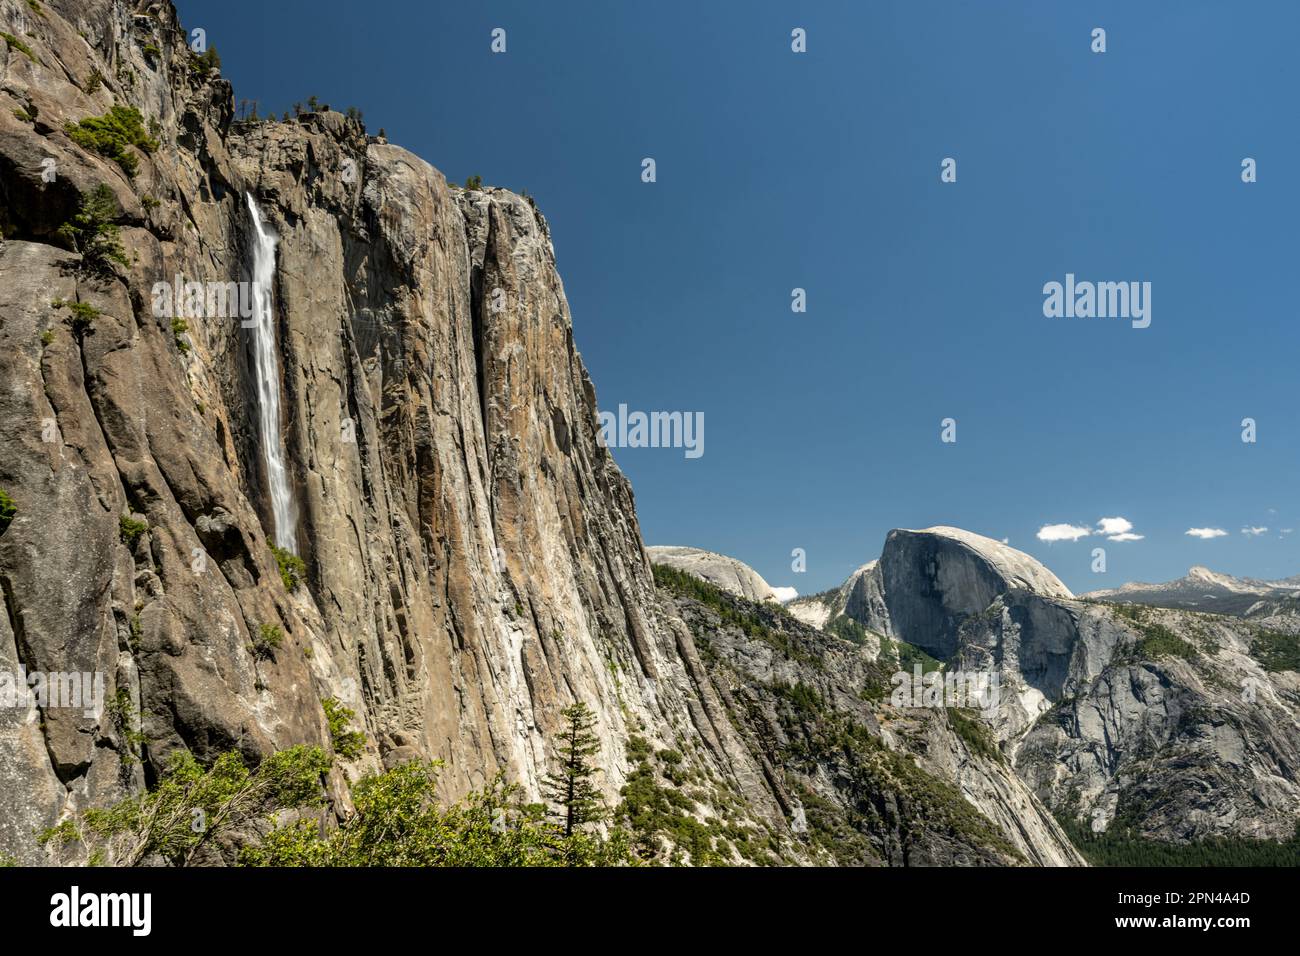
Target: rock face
(876, 784)
(936, 578)
(472, 554)
(1169, 724)
(474, 562)
(727, 573)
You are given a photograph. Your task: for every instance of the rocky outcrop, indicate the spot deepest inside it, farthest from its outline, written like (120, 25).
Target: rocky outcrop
(727, 573)
(935, 579)
(1205, 590)
(876, 784)
(861, 597)
(1179, 725)
(473, 559)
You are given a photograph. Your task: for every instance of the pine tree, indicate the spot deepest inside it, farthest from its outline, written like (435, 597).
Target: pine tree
(578, 799)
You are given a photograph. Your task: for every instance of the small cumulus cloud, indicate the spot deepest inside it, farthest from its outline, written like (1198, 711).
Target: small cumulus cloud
(1206, 533)
(1118, 529)
(1062, 532)
(1253, 532)
(785, 595)
(1113, 529)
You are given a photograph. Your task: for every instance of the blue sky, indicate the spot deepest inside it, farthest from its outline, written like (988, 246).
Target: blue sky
(925, 299)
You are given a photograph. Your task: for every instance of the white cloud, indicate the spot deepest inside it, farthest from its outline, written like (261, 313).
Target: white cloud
(1114, 529)
(785, 595)
(1253, 531)
(1114, 526)
(1286, 531)
(1205, 532)
(1062, 532)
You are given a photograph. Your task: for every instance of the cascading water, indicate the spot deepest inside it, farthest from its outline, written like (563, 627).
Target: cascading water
(267, 371)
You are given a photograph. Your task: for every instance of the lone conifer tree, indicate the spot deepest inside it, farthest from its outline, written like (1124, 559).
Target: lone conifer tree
(571, 788)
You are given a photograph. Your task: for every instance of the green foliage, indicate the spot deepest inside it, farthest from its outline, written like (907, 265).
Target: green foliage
(193, 807)
(151, 50)
(1120, 846)
(126, 721)
(398, 822)
(47, 337)
(976, 734)
(474, 182)
(94, 82)
(735, 612)
(1276, 651)
(179, 328)
(571, 788)
(149, 202)
(269, 637)
(23, 116)
(82, 315)
(909, 655)
(348, 744)
(355, 115)
(129, 530)
(112, 134)
(1158, 641)
(651, 810)
(206, 62)
(7, 510)
(93, 233)
(846, 628)
(292, 568)
(19, 45)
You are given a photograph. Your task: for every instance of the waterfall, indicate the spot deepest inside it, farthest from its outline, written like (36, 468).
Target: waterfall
(267, 370)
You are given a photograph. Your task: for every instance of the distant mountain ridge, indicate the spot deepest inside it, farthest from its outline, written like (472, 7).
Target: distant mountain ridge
(1205, 590)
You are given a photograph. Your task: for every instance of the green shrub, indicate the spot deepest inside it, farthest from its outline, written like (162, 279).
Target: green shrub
(976, 734)
(19, 45)
(94, 82)
(292, 568)
(47, 336)
(348, 744)
(113, 134)
(399, 822)
(269, 637)
(206, 62)
(129, 530)
(179, 328)
(1276, 651)
(82, 317)
(474, 182)
(151, 50)
(7, 510)
(93, 233)
(23, 116)
(193, 807)
(1158, 641)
